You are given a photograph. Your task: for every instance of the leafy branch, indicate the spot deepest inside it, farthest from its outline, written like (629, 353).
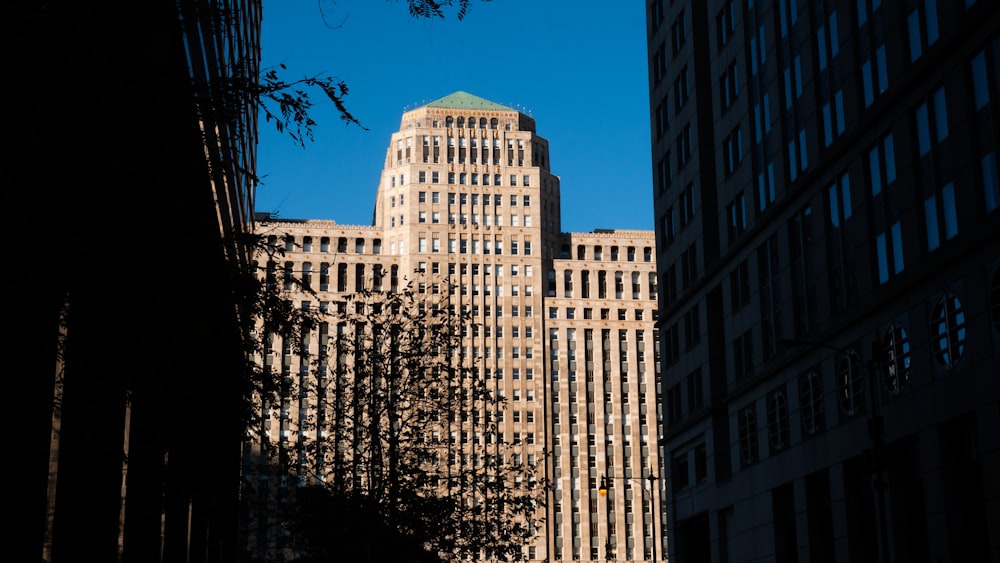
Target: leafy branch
(288, 104)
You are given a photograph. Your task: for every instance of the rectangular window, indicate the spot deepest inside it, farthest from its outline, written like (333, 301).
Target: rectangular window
(889, 251)
(678, 33)
(733, 149)
(680, 90)
(725, 22)
(743, 355)
(932, 122)
(991, 183)
(980, 81)
(882, 165)
(737, 213)
(941, 216)
(687, 205)
(769, 278)
(833, 118)
(692, 330)
(922, 25)
(739, 286)
(840, 250)
(765, 188)
(729, 86)
(684, 147)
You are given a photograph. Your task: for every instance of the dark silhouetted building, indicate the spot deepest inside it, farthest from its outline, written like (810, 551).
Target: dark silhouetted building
(828, 237)
(130, 166)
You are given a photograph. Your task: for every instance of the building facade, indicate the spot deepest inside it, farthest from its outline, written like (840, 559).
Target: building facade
(828, 235)
(110, 468)
(467, 210)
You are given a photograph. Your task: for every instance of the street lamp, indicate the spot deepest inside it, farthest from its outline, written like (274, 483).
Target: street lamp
(603, 491)
(652, 508)
(876, 430)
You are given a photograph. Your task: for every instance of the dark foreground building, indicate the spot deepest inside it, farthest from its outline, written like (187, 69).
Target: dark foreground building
(126, 158)
(826, 195)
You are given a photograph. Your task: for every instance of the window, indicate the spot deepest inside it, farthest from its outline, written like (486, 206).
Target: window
(995, 299)
(932, 122)
(743, 355)
(667, 228)
(991, 182)
(840, 251)
(941, 216)
(687, 205)
(798, 155)
(922, 25)
(895, 359)
(769, 276)
(678, 33)
(684, 147)
(692, 328)
(948, 331)
(850, 383)
(758, 49)
(689, 266)
(732, 147)
(823, 36)
(765, 187)
(833, 118)
(777, 420)
(725, 23)
(792, 79)
(980, 81)
(811, 402)
(762, 118)
(800, 241)
(748, 435)
(874, 75)
(681, 90)
(663, 175)
(737, 217)
(739, 286)
(889, 252)
(729, 86)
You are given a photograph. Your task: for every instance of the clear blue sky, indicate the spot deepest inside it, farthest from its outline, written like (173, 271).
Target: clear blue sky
(578, 67)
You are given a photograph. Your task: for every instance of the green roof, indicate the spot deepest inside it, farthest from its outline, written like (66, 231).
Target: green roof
(464, 100)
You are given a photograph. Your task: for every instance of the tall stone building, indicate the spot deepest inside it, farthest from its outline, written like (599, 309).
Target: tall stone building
(468, 210)
(828, 238)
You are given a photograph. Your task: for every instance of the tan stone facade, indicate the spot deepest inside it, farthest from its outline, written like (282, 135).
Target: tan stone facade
(467, 210)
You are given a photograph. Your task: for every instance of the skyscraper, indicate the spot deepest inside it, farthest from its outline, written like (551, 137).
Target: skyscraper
(468, 210)
(826, 197)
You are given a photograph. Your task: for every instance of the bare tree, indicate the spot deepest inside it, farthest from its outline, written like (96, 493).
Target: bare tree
(393, 425)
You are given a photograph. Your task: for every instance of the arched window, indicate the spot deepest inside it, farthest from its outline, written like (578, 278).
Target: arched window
(851, 383)
(896, 359)
(482, 123)
(449, 121)
(948, 331)
(811, 402)
(777, 420)
(460, 122)
(493, 123)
